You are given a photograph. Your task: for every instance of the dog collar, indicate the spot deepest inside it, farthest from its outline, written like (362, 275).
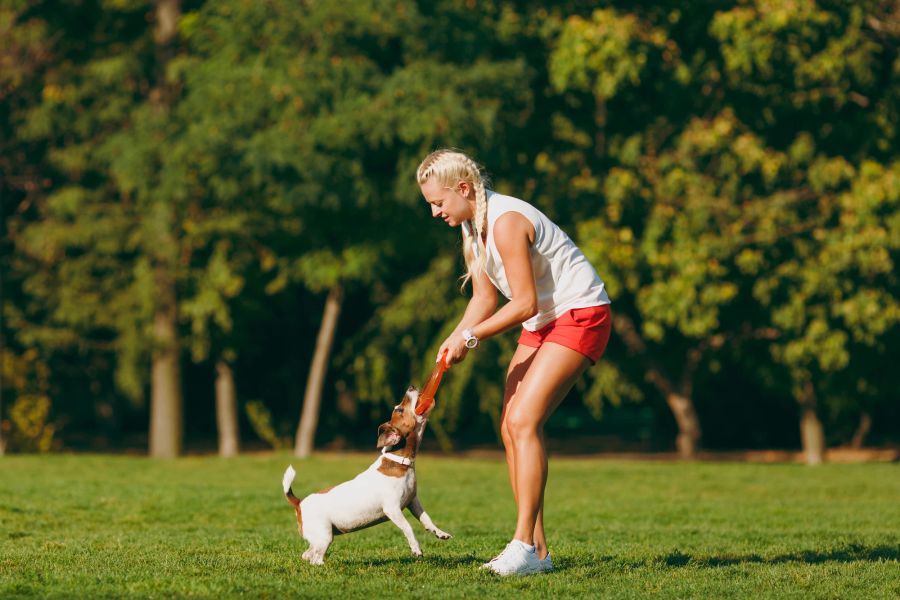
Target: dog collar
(397, 459)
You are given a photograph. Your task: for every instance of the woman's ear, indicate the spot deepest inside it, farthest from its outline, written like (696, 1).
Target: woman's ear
(465, 189)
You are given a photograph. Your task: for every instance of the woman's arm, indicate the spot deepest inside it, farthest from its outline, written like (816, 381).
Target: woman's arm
(482, 304)
(513, 235)
(480, 307)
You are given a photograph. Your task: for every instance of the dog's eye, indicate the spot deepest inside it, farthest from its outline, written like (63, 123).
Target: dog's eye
(399, 409)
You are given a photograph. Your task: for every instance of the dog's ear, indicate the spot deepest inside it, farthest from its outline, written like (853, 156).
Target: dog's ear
(388, 435)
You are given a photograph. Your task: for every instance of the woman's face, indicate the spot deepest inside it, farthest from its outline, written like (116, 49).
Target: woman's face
(452, 205)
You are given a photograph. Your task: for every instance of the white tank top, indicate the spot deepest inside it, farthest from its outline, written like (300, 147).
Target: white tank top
(564, 277)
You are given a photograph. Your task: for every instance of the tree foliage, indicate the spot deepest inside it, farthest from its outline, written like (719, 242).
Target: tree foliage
(730, 169)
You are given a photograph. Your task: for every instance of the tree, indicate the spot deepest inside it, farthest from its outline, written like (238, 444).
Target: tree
(22, 55)
(323, 155)
(73, 251)
(662, 275)
(710, 192)
(835, 70)
(677, 264)
(166, 412)
(729, 170)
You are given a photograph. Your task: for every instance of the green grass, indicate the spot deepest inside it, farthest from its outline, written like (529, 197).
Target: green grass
(123, 527)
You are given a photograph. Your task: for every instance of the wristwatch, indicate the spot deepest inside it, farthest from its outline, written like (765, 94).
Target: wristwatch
(471, 340)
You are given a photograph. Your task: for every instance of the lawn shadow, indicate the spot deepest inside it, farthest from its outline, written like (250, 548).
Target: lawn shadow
(444, 562)
(847, 554)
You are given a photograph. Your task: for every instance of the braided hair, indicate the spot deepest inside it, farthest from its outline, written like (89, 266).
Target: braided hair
(450, 167)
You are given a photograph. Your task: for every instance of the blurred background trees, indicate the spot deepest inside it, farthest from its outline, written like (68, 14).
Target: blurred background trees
(216, 202)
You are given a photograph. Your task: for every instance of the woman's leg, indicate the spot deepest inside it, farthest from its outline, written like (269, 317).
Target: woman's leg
(549, 375)
(518, 366)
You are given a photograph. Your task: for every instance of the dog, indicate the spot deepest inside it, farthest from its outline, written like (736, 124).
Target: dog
(378, 494)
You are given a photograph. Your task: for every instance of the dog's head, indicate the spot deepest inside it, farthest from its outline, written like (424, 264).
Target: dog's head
(404, 420)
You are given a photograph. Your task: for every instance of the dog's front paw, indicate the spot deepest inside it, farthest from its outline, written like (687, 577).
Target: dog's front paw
(441, 535)
(417, 552)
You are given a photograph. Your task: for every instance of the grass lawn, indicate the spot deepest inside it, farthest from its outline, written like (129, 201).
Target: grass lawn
(101, 526)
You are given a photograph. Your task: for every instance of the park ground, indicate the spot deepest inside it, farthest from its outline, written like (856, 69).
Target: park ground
(91, 526)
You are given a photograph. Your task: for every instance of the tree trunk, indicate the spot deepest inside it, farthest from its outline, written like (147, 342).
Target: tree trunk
(312, 399)
(168, 12)
(2, 439)
(812, 434)
(862, 430)
(600, 113)
(165, 396)
(226, 410)
(165, 392)
(688, 440)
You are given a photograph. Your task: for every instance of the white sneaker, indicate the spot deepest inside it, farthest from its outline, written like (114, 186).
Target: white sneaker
(516, 560)
(488, 564)
(546, 564)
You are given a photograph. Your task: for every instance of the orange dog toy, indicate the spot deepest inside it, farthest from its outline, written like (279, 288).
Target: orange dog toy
(426, 397)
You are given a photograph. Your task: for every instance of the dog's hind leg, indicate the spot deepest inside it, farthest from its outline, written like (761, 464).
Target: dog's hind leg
(415, 507)
(319, 539)
(395, 514)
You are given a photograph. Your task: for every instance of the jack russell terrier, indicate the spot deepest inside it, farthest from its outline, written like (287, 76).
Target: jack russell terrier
(379, 493)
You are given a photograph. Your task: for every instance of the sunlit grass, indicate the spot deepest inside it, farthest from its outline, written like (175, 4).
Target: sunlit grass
(98, 526)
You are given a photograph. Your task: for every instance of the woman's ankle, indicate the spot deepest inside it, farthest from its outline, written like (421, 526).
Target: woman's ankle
(540, 546)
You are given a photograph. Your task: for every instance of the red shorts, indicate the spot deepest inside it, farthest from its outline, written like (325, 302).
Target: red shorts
(585, 330)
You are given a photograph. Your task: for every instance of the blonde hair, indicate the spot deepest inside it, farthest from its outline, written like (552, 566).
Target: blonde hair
(451, 167)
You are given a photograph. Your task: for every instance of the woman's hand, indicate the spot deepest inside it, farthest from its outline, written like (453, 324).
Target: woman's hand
(456, 349)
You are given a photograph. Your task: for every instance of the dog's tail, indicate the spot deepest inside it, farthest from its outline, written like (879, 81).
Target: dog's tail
(286, 482)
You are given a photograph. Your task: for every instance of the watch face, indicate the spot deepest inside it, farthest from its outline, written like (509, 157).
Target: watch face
(471, 342)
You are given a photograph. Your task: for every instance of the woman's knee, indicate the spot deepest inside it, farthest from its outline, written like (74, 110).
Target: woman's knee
(505, 435)
(520, 424)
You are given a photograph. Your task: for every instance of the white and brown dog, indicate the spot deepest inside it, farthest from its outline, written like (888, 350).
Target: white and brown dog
(379, 493)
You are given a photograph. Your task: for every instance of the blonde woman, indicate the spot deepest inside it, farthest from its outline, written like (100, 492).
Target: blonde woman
(559, 301)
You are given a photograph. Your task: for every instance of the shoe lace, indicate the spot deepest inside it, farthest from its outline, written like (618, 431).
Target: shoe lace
(502, 554)
(513, 555)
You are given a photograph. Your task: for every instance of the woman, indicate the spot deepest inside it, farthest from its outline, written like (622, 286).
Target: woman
(558, 299)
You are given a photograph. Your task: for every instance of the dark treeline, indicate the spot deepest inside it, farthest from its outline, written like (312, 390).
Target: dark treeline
(211, 227)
